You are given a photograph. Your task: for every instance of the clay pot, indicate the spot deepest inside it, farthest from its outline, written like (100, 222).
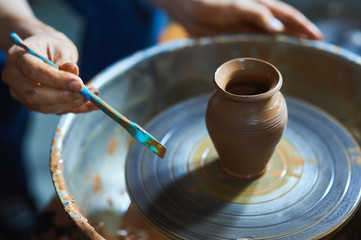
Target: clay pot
(246, 115)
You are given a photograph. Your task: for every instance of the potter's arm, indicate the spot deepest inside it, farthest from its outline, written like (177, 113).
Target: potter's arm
(17, 16)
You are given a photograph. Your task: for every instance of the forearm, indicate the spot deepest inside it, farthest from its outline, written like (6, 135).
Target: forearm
(17, 16)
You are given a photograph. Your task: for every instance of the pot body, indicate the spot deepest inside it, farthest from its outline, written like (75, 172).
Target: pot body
(246, 115)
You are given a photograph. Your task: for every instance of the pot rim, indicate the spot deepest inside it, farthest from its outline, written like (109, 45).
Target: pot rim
(224, 74)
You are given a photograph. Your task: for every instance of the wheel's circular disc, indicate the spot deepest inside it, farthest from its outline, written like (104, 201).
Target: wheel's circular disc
(311, 186)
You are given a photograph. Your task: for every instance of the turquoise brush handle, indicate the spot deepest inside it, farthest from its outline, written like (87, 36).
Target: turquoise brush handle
(14, 38)
(111, 112)
(133, 129)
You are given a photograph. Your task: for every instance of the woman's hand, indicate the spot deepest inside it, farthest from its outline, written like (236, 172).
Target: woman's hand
(212, 17)
(41, 87)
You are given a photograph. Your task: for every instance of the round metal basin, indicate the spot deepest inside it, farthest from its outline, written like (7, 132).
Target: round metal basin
(89, 150)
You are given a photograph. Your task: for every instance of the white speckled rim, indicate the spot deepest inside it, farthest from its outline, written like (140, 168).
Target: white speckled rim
(123, 65)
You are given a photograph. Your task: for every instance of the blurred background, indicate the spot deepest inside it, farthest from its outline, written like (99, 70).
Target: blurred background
(340, 22)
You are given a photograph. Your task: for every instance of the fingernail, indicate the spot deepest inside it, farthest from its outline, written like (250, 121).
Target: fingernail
(316, 31)
(75, 86)
(276, 25)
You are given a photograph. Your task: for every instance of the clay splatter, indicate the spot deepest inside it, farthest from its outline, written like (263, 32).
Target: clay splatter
(112, 146)
(97, 183)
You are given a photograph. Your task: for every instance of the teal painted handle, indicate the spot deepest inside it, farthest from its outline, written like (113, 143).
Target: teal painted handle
(107, 109)
(133, 129)
(14, 38)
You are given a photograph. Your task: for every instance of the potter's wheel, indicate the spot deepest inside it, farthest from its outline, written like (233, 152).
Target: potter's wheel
(308, 190)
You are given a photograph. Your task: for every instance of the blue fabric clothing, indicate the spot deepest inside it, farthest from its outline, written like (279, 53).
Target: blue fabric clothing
(115, 29)
(12, 127)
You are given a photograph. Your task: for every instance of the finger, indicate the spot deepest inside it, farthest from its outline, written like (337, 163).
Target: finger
(73, 68)
(230, 15)
(62, 55)
(87, 107)
(93, 89)
(294, 20)
(62, 49)
(45, 74)
(17, 83)
(208, 30)
(62, 108)
(31, 94)
(70, 67)
(50, 96)
(258, 15)
(81, 105)
(32, 101)
(295, 33)
(67, 108)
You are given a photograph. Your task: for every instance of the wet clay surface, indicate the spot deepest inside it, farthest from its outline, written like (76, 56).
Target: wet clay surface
(246, 115)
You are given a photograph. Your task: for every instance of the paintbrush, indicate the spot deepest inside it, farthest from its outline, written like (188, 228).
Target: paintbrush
(133, 129)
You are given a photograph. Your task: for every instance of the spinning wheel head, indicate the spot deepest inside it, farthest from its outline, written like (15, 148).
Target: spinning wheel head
(308, 190)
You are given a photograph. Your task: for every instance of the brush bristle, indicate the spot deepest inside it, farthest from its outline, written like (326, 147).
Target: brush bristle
(147, 139)
(156, 147)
